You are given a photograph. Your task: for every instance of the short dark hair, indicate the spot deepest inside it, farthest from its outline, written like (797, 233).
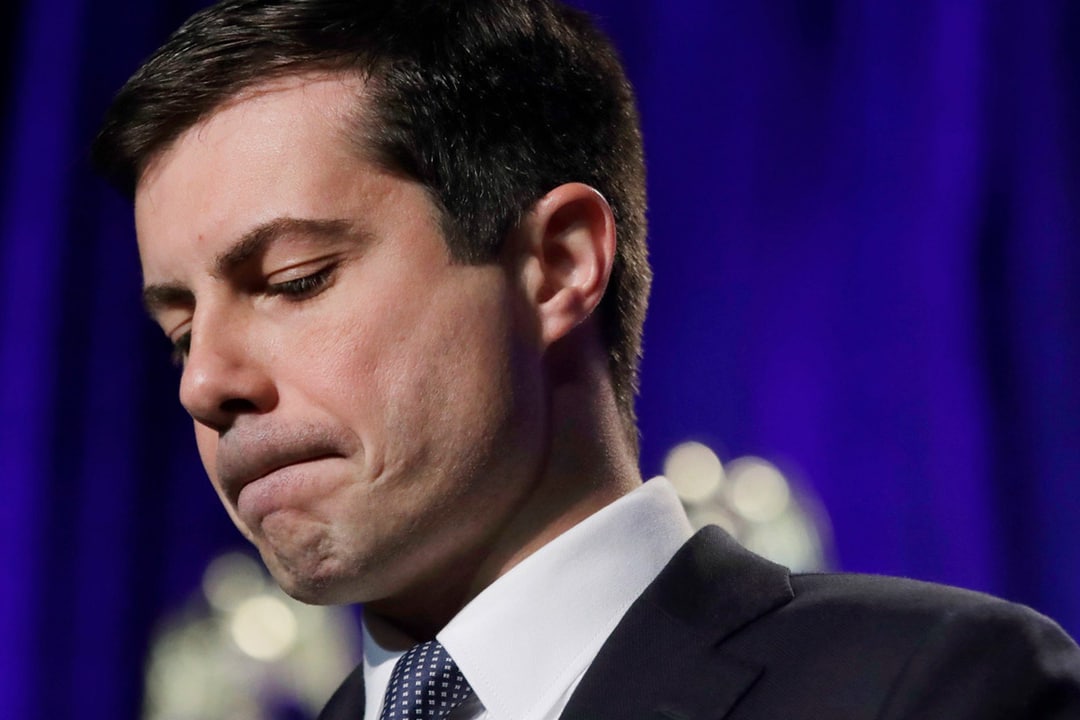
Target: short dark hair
(489, 104)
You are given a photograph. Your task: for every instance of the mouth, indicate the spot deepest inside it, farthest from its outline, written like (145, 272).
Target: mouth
(289, 485)
(248, 458)
(276, 463)
(268, 466)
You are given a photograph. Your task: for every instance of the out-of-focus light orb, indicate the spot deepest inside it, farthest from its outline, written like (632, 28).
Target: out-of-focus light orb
(694, 470)
(183, 685)
(709, 514)
(264, 628)
(230, 579)
(759, 492)
(789, 540)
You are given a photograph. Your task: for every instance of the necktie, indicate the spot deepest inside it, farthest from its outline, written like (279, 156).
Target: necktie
(425, 685)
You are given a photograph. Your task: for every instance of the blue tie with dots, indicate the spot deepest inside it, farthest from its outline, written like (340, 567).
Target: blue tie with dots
(425, 685)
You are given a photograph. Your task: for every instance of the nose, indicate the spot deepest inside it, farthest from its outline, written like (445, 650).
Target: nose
(223, 376)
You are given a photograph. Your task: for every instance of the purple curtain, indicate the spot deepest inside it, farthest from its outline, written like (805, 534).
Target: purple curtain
(864, 231)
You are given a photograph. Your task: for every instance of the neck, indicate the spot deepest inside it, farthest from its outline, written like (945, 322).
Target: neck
(588, 464)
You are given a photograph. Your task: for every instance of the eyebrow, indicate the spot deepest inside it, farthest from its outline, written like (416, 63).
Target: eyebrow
(159, 296)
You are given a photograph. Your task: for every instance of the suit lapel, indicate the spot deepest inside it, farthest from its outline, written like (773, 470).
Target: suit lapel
(665, 660)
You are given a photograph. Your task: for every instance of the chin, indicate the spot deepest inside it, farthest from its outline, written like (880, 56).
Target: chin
(311, 594)
(311, 577)
(315, 586)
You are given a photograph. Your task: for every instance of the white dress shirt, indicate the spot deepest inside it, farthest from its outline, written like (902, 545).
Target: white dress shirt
(526, 640)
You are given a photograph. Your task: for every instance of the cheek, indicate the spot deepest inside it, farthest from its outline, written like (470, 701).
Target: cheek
(340, 369)
(447, 386)
(413, 374)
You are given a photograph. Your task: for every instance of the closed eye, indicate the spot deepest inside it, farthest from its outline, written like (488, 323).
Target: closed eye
(304, 287)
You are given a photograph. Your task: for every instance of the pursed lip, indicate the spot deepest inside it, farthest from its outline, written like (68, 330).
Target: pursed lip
(241, 461)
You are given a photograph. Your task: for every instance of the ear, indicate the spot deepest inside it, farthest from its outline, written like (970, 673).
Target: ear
(567, 244)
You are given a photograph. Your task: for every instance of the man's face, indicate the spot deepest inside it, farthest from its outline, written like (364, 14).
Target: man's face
(364, 406)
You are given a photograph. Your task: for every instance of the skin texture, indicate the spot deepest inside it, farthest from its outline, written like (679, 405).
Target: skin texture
(386, 425)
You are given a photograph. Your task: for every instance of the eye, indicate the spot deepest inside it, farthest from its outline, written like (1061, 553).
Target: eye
(181, 348)
(302, 287)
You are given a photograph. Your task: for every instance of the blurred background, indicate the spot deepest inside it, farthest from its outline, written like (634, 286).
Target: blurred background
(864, 227)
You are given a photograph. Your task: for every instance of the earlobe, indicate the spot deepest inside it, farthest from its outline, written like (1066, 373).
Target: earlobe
(569, 239)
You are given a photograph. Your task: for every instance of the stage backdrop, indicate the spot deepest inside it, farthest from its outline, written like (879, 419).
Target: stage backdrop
(865, 234)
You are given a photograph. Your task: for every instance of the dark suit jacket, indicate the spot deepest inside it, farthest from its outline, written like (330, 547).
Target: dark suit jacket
(723, 633)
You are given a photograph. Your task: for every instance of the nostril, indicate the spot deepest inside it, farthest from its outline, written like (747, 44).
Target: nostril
(238, 405)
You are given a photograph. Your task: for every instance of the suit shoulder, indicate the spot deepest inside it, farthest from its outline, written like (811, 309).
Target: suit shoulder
(908, 605)
(903, 596)
(916, 649)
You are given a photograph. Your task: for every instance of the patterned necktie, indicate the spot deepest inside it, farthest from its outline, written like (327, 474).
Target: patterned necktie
(425, 685)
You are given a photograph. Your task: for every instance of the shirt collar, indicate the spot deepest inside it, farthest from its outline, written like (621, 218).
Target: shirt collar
(529, 636)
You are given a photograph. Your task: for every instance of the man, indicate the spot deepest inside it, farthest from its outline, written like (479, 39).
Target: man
(399, 249)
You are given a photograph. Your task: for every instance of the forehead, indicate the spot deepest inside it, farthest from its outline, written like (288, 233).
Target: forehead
(315, 105)
(281, 148)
